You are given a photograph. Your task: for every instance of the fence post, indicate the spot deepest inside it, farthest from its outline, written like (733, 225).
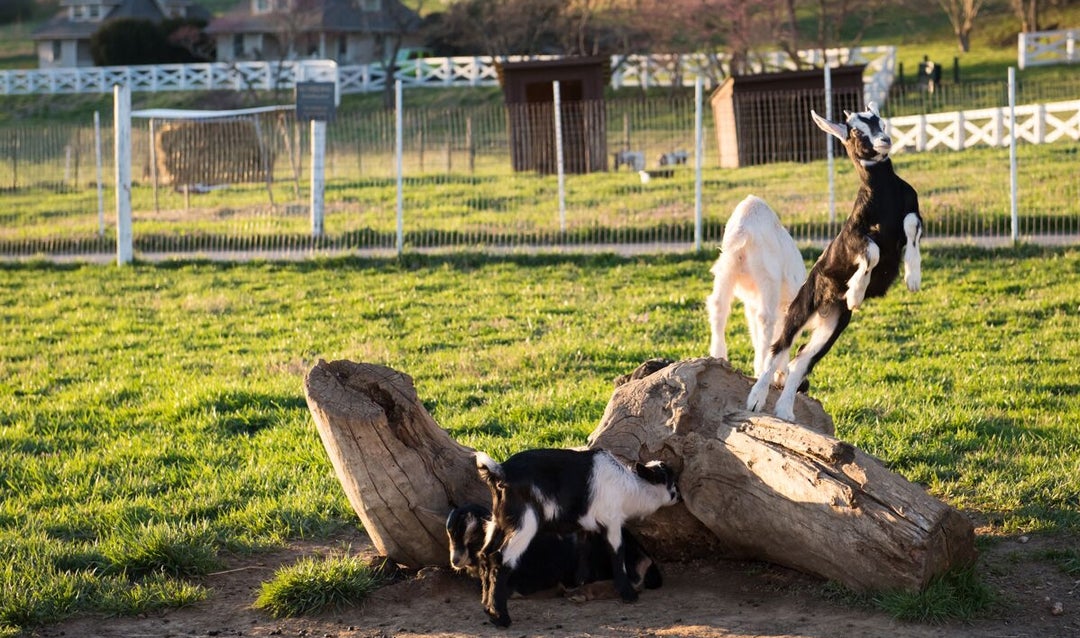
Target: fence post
(1021, 50)
(122, 151)
(318, 177)
(699, 162)
(961, 131)
(560, 168)
(1014, 214)
(398, 150)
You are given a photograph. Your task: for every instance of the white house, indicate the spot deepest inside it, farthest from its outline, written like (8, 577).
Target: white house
(64, 41)
(347, 31)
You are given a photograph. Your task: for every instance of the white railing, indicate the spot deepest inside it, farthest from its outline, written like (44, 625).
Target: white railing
(664, 70)
(1035, 123)
(1047, 47)
(634, 70)
(168, 77)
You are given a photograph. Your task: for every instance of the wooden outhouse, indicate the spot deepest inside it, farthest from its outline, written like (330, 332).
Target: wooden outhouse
(529, 96)
(765, 118)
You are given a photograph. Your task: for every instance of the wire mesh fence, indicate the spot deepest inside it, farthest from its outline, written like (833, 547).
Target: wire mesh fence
(478, 178)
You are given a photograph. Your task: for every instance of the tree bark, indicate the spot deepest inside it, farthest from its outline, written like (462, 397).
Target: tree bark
(401, 472)
(753, 486)
(788, 493)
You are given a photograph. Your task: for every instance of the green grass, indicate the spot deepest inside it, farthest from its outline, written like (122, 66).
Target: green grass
(152, 418)
(313, 585)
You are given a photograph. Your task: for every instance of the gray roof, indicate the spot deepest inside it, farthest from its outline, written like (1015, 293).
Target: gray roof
(60, 27)
(330, 16)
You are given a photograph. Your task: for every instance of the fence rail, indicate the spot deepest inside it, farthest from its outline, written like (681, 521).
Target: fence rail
(1035, 123)
(1047, 47)
(627, 71)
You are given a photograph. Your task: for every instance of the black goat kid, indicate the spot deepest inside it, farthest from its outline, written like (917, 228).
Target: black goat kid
(552, 563)
(566, 492)
(884, 228)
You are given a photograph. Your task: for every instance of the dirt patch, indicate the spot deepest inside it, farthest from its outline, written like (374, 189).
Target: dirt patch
(698, 600)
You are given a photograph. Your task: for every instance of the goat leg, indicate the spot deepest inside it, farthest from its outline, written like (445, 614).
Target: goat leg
(912, 259)
(856, 291)
(617, 550)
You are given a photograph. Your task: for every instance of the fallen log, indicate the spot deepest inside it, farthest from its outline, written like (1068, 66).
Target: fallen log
(754, 486)
(779, 491)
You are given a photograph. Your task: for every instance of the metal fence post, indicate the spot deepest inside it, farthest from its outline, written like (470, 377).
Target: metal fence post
(122, 151)
(318, 177)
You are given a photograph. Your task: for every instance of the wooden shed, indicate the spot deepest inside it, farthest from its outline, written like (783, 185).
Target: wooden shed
(529, 97)
(765, 118)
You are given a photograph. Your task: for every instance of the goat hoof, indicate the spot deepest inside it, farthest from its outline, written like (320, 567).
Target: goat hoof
(500, 621)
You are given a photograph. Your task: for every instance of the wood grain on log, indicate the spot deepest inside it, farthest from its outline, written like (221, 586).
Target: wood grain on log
(781, 491)
(401, 472)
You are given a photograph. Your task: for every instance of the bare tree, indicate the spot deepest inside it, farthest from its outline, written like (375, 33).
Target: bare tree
(403, 20)
(1028, 13)
(961, 15)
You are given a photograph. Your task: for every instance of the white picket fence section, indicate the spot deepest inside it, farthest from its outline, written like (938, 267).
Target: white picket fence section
(1035, 123)
(1047, 47)
(168, 77)
(627, 71)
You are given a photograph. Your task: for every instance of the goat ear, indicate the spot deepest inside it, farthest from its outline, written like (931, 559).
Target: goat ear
(872, 107)
(839, 131)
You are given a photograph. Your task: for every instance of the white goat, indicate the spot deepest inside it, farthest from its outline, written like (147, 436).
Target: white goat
(760, 265)
(863, 261)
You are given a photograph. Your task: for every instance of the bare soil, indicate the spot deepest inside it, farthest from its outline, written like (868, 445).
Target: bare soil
(714, 599)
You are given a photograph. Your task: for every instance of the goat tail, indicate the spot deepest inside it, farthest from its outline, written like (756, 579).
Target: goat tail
(490, 471)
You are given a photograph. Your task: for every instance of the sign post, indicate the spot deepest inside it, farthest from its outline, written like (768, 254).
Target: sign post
(315, 102)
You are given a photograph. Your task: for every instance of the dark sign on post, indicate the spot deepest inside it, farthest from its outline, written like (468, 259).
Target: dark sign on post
(315, 101)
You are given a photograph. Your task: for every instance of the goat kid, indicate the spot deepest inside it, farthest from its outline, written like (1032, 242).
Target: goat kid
(862, 261)
(563, 491)
(552, 561)
(760, 265)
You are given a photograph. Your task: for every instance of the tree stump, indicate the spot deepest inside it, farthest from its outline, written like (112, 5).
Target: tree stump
(753, 486)
(401, 472)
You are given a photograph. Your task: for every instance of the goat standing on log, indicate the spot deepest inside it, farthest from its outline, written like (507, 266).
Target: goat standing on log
(862, 261)
(760, 265)
(564, 491)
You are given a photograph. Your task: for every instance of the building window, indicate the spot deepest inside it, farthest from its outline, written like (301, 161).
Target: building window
(371, 5)
(238, 46)
(57, 51)
(261, 6)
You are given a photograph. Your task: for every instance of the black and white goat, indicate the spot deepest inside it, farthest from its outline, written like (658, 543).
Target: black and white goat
(760, 265)
(884, 228)
(567, 492)
(553, 561)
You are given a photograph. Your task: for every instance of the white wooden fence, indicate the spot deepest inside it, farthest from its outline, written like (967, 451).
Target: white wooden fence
(632, 70)
(1035, 123)
(1047, 47)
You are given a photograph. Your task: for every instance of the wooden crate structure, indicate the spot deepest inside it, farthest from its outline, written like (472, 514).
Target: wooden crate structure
(765, 118)
(529, 97)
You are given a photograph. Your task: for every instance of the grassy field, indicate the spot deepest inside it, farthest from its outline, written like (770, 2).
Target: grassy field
(152, 417)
